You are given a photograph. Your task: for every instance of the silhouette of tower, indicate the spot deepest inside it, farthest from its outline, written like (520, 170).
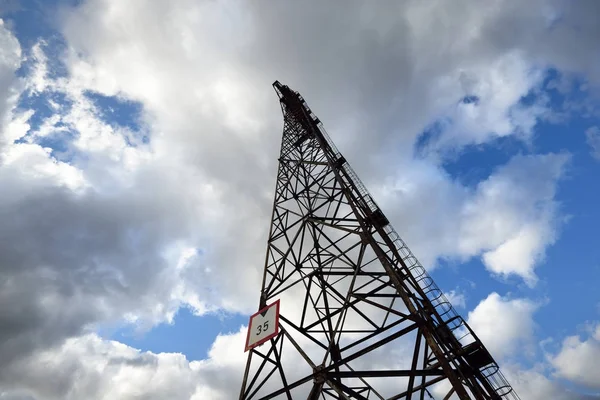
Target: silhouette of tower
(360, 317)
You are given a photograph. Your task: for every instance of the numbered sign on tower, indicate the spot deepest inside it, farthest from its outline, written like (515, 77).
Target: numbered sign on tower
(263, 326)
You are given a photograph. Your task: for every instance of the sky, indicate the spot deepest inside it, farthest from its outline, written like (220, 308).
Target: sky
(138, 153)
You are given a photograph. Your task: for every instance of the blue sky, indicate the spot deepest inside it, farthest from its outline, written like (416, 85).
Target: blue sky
(144, 221)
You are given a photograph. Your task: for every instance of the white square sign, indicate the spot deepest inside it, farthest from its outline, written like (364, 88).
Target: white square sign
(263, 326)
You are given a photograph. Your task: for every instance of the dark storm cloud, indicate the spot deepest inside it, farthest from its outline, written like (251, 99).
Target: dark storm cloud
(70, 259)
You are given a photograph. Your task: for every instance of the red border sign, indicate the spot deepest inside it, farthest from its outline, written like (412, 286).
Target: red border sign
(264, 309)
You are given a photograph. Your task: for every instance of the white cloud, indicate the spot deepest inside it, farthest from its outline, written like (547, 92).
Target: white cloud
(577, 359)
(514, 215)
(92, 368)
(497, 88)
(107, 369)
(38, 78)
(10, 61)
(519, 254)
(503, 325)
(18, 126)
(439, 217)
(207, 92)
(32, 162)
(592, 135)
(458, 300)
(533, 384)
(106, 232)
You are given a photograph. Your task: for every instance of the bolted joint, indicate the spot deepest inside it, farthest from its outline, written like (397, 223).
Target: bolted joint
(319, 375)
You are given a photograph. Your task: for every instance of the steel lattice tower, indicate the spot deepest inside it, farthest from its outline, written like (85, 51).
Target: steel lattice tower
(360, 317)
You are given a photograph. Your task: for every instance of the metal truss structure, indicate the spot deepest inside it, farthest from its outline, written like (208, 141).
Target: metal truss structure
(360, 317)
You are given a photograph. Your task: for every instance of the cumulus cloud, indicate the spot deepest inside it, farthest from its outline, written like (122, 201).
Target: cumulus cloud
(508, 219)
(106, 369)
(507, 328)
(577, 359)
(528, 211)
(503, 324)
(592, 135)
(457, 299)
(93, 368)
(534, 384)
(115, 228)
(88, 245)
(10, 87)
(200, 109)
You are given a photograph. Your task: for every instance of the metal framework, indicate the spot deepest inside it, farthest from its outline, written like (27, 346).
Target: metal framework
(360, 317)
